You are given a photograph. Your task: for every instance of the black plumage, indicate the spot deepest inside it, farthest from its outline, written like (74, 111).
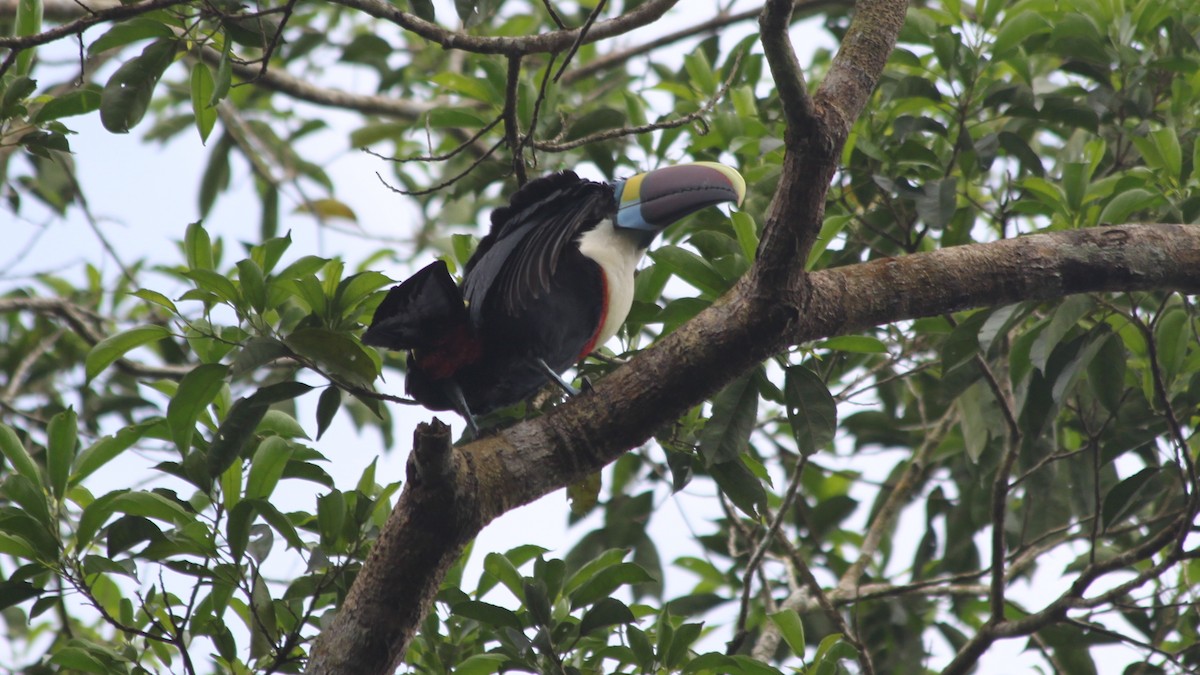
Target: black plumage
(552, 279)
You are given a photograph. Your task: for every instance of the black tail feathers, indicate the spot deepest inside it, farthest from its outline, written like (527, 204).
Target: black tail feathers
(419, 312)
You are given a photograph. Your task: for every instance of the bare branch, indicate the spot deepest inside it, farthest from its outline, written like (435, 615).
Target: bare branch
(512, 128)
(775, 20)
(901, 493)
(107, 14)
(283, 83)
(583, 31)
(86, 324)
(713, 25)
(761, 549)
(697, 115)
(554, 41)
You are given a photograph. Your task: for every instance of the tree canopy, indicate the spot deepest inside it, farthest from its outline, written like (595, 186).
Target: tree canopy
(937, 378)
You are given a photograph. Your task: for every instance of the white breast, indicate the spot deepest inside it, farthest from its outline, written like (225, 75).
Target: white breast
(618, 255)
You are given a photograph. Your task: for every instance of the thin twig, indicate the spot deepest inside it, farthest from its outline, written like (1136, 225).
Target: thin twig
(446, 183)
(760, 550)
(583, 31)
(512, 126)
(610, 134)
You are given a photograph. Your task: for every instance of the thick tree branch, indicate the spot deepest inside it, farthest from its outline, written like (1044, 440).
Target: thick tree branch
(529, 460)
(816, 132)
(775, 20)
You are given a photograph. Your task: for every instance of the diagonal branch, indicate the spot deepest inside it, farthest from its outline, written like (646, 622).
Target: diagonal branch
(817, 129)
(70, 28)
(551, 42)
(775, 20)
(277, 80)
(709, 26)
(530, 459)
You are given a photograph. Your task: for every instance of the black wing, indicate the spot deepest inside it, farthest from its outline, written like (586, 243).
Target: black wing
(419, 312)
(517, 259)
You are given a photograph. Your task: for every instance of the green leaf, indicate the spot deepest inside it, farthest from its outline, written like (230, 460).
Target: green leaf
(114, 347)
(338, 353)
(746, 231)
(216, 176)
(742, 487)
(328, 209)
(281, 424)
(11, 544)
(331, 515)
(16, 592)
(488, 614)
(196, 390)
(197, 247)
(126, 96)
(976, 405)
(478, 664)
(1106, 373)
(78, 102)
(937, 203)
(28, 22)
(607, 612)
(156, 298)
(811, 409)
(237, 527)
(1075, 177)
(16, 454)
(726, 434)
(963, 342)
(327, 406)
(30, 496)
(594, 122)
(150, 505)
(216, 283)
(791, 628)
(1130, 495)
(1066, 317)
(470, 87)
(254, 286)
(605, 560)
(242, 420)
(1167, 143)
(830, 230)
(266, 468)
(1125, 203)
(500, 568)
(203, 109)
(354, 289)
(425, 10)
(280, 523)
(606, 581)
(858, 344)
(1173, 334)
(681, 642)
(691, 268)
(224, 78)
(257, 352)
(62, 439)
(127, 32)
(1015, 30)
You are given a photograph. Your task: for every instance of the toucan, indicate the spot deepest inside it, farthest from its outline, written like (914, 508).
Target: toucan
(552, 280)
